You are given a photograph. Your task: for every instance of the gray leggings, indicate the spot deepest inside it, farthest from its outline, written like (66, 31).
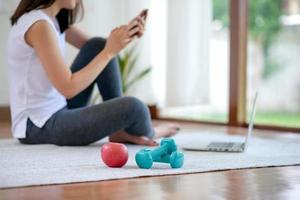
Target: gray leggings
(81, 124)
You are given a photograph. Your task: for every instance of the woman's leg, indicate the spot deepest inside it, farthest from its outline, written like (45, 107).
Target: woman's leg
(109, 80)
(82, 126)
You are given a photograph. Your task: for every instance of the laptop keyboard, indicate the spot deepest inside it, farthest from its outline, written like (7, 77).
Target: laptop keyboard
(221, 145)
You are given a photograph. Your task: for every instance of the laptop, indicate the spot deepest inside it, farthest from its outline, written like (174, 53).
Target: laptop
(220, 146)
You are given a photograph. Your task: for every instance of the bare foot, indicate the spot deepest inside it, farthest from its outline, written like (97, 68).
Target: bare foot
(161, 130)
(124, 137)
(166, 130)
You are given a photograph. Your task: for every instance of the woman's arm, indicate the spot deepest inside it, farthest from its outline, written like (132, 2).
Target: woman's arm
(76, 36)
(42, 38)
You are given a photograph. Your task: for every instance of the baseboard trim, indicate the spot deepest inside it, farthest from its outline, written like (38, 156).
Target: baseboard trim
(5, 113)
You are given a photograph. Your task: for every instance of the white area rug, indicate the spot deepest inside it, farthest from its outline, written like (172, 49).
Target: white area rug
(27, 165)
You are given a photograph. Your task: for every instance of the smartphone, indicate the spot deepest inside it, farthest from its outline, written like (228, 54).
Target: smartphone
(144, 15)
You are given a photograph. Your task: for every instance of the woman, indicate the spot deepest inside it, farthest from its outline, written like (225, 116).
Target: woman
(49, 98)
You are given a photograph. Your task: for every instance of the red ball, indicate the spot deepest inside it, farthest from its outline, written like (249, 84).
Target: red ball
(114, 154)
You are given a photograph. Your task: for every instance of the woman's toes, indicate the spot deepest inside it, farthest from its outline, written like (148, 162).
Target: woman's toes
(166, 130)
(142, 140)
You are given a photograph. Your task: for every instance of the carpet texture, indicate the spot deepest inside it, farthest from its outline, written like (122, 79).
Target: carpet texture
(27, 165)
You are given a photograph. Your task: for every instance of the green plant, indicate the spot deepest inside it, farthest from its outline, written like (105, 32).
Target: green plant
(127, 62)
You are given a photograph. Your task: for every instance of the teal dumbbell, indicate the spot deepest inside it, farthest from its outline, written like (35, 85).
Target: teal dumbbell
(165, 153)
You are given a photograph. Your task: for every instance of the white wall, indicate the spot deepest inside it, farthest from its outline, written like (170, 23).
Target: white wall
(5, 12)
(3, 69)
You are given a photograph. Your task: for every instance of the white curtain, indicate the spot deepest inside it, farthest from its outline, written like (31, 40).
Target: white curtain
(189, 27)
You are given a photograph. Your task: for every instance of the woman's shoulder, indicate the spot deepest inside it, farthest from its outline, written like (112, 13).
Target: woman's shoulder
(31, 17)
(25, 22)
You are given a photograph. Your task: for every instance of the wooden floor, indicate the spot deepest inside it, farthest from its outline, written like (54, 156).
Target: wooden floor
(264, 183)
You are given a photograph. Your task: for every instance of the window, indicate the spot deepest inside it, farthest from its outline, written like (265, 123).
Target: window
(205, 44)
(273, 61)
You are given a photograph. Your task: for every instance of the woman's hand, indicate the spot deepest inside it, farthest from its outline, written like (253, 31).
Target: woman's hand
(119, 38)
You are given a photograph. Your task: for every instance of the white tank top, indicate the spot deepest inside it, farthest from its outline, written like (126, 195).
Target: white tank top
(32, 95)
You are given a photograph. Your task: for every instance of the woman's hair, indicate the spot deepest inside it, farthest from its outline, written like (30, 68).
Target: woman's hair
(65, 17)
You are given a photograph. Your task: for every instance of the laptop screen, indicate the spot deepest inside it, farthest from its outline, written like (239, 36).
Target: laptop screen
(251, 122)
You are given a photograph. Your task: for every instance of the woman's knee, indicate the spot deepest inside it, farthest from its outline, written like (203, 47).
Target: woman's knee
(95, 43)
(136, 106)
